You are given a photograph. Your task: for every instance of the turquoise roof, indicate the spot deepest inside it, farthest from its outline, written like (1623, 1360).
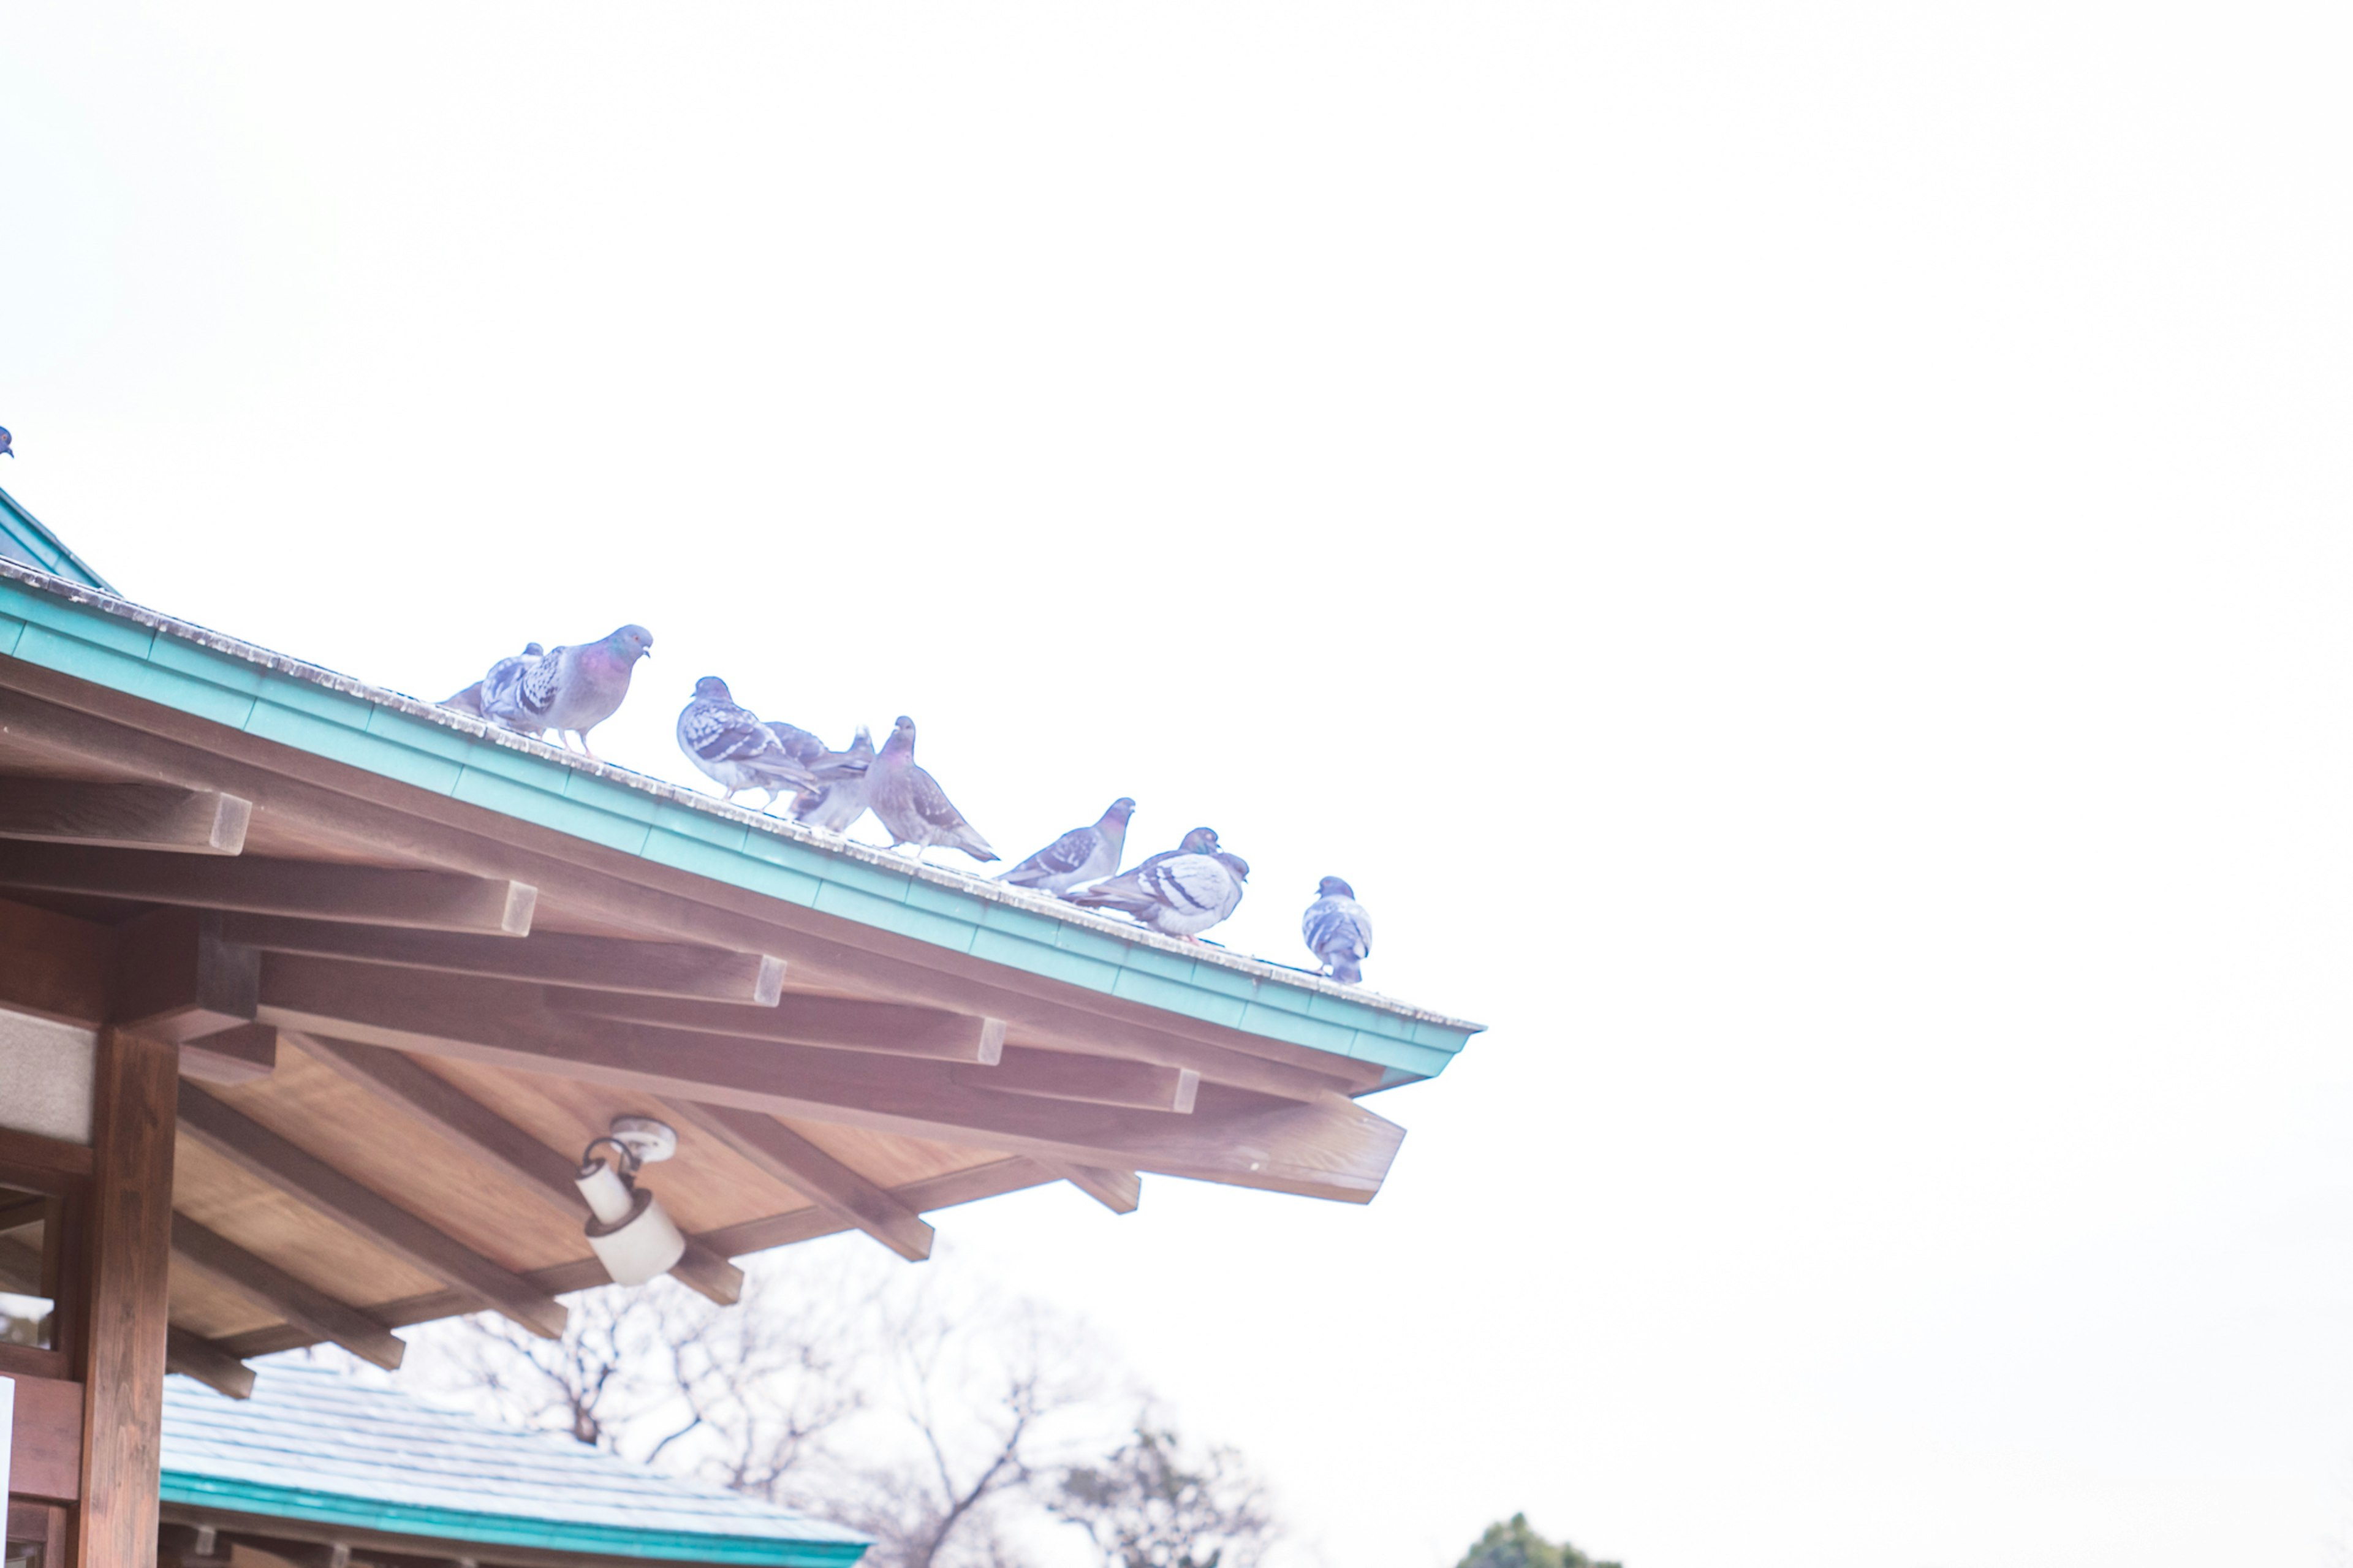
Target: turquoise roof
(316, 1446)
(22, 537)
(70, 628)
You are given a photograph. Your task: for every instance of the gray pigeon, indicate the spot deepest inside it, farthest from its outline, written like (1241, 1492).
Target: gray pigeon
(844, 783)
(1338, 931)
(1182, 892)
(728, 742)
(1081, 855)
(508, 673)
(799, 745)
(570, 690)
(910, 805)
(7, 443)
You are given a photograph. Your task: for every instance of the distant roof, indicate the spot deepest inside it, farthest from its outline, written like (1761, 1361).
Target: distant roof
(98, 636)
(24, 537)
(326, 1449)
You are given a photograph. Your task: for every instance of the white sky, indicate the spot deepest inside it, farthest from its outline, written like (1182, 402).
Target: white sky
(1796, 556)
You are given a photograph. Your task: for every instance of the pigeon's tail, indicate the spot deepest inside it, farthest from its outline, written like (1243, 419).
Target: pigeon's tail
(1345, 970)
(972, 844)
(467, 701)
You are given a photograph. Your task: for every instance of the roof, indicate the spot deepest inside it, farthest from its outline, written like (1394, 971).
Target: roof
(70, 626)
(24, 537)
(317, 1447)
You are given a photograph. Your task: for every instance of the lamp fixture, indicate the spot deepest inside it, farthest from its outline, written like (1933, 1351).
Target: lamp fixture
(630, 1232)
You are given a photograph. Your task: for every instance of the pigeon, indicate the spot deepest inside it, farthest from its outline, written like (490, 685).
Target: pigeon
(799, 745)
(1081, 855)
(570, 690)
(7, 443)
(909, 804)
(843, 782)
(507, 672)
(1337, 929)
(728, 742)
(1180, 892)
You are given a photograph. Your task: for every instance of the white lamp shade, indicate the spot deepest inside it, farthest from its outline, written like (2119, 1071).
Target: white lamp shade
(637, 1242)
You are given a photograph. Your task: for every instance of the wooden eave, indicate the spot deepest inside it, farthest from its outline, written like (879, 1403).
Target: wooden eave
(415, 962)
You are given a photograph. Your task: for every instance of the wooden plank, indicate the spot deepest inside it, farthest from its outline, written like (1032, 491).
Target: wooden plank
(266, 1286)
(600, 964)
(317, 795)
(1090, 1081)
(130, 1288)
(175, 979)
(841, 1023)
(31, 1150)
(1328, 1148)
(818, 1175)
(310, 1180)
(370, 895)
(123, 815)
(45, 1454)
(53, 965)
(483, 1133)
(192, 1355)
(233, 1057)
(1118, 1191)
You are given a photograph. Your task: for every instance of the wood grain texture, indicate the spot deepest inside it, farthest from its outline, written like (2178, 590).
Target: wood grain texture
(129, 1300)
(883, 1028)
(235, 1056)
(31, 1150)
(44, 1459)
(192, 1355)
(435, 900)
(175, 979)
(123, 815)
(483, 1134)
(830, 1184)
(263, 1153)
(267, 1286)
(599, 963)
(53, 965)
(1090, 1081)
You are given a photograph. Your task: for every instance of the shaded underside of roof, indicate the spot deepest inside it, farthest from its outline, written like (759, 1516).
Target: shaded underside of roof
(68, 629)
(321, 1449)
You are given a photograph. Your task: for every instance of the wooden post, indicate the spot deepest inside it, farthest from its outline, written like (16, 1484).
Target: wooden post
(129, 1260)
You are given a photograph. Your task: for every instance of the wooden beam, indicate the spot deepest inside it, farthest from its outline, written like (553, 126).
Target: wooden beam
(44, 1153)
(305, 1177)
(175, 979)
(233, 1057)
(1118, 1191)
(1326, 1148)
(815, 1174)
(836, 1023)
(603, 963)
(123, 815)
(488, 1136)
(192, 1355)
(371, 895)
(1090, 1081)
(270, 1287)
(130, 1220)
(53, 965)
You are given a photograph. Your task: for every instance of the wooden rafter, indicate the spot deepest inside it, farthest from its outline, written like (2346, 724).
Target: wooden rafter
(1090, 1081)
(175, 979)
(482, 1132)
(270, 1287)
(304, 1176)
(53, 965)
(599, 963)
(192, 1355)
(815, 1174)
(1326, 1148)
(123, 815)
(883, 1028)
(1118, 1191)
(436, 900)
(232, 1056)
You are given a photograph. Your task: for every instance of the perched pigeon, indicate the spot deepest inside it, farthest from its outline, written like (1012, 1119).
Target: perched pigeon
(1182, 892)
(7, 443)
(844, 782)
(507, 672)
(1338, 931)
(909, 804)
(570, 690)
(799, 745)
(1081, 855)
(728, 742)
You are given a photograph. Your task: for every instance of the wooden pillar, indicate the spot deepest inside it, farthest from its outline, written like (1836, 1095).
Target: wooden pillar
(129, 1260)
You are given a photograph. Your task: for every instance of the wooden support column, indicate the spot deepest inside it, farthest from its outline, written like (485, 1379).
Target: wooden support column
(131, 1260)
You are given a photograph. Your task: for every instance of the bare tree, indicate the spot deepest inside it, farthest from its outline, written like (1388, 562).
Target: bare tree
(1155, 1504)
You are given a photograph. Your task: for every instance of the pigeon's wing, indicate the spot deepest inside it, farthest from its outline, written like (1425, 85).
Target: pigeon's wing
(1336, 925)
(1066, 855)
(930, 802)
(541, 681)
(1190, 884)
(798, 744)
(501, 695)
(1126, 892)
(721, 732)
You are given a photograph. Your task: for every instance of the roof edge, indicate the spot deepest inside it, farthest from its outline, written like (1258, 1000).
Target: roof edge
(38, 540)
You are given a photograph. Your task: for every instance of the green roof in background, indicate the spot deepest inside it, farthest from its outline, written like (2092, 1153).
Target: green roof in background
(24, 537)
